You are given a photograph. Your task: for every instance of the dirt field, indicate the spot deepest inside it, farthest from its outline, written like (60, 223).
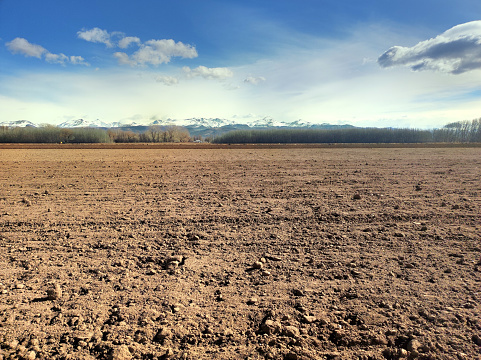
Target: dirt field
(240, 253)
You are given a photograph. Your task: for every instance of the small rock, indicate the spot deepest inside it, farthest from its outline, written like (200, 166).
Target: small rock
(257, 265)
(252, 301)
(356, 197)
(121, 352)
(413, 345)
(265, 273)
(54, 292)
(19, 286)
(308, 319)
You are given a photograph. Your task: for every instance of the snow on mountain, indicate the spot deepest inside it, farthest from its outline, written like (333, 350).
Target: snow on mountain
(207, 122)
(211, 123)
(18, 123)
(297, 123)
(83, 123)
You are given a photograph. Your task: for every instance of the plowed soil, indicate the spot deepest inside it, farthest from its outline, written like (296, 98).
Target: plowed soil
(240, 253)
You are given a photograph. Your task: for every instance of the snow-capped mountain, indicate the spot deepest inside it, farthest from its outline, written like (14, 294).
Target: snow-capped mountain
(207, 122)
(191, 123)
(18, 123)
(84, 123)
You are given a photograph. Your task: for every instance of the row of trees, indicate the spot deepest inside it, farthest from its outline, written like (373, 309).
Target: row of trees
(463, 131)
(155, 134)
(52, 134)
(304, 136)
(460, 131)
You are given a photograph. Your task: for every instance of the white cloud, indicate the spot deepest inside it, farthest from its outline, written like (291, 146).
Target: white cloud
(22, 46)
(218, 73)
(152, 52)
(254, 80)
(156, 52)
(456, 51)
(167, 80)
(56, 58)
(126, 41)
(96, 35)
(123, 59)
(78, 60)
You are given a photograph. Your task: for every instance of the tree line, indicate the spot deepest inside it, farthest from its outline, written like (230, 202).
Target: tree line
(155, 134)
(462, 131)
(52, 134)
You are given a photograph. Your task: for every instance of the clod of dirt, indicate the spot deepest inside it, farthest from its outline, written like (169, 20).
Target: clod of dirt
(31, 355)
(291, 331)
(54, 292)
(162, 335)
(298, 292)
(476, 339)
(27, 202)
(270, 327)
(175, 258)
(413, 345)
(121, 352)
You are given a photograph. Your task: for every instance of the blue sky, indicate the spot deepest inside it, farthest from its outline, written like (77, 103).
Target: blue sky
(370, 63)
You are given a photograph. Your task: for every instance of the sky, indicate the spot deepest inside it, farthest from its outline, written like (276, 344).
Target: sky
(366, 63)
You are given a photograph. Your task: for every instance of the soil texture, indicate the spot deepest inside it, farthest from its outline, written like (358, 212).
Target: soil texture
(295, 253)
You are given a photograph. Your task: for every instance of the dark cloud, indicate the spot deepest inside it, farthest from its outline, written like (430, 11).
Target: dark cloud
(456, 51)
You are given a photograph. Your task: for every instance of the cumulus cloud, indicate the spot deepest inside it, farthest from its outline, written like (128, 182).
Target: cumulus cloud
(167, 80)
(152, 52)
(254, 80)
(156, 52)
(96, 35)
(455, 51)
(123, 59)
(218, 73)
(22, 46)
(126, 41)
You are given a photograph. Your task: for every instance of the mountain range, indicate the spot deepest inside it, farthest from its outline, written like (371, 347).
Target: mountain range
(196, 126)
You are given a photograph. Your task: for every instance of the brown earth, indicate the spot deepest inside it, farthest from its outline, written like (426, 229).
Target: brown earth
(240, 253)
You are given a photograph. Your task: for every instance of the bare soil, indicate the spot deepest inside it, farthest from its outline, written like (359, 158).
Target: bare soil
(294, 253)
